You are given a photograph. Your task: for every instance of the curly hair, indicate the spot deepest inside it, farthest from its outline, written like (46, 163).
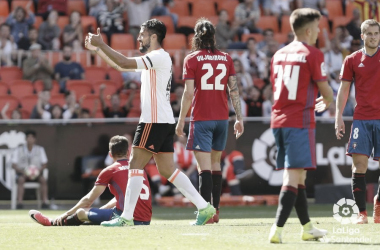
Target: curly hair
(204, 37)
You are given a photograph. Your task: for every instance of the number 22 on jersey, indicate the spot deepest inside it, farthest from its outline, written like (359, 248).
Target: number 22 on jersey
(209, 73)
(289, 75)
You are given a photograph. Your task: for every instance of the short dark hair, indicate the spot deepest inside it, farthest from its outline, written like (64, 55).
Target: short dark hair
(30, 132)
(204, 37)
(301, 17)
(154, 26)
(118, 146)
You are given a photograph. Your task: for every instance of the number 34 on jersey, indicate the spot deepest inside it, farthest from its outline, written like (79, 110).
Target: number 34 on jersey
(289, 74)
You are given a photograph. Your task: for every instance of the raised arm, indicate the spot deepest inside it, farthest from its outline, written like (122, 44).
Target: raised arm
(341, 101)
(112, 57)
(235, 100)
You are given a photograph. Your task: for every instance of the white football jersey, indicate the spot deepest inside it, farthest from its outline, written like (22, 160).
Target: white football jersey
(156, 77)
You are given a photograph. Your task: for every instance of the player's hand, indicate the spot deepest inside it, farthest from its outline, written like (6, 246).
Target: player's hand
(238, 128)
(322, 104)
(179, 128)
(96, 40)
(59, 220)
(87, 43)
(339, 127)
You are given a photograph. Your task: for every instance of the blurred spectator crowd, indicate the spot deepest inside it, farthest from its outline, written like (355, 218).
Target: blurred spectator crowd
(45, 73)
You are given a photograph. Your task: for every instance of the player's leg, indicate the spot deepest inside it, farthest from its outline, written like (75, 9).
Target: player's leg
(376, 156)
(20, 190)
(359, 186)
(219, 141)
(301, 201)
(205, 174)
(360, 148)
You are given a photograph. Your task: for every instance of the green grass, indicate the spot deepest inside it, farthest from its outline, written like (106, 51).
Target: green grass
(239, 228)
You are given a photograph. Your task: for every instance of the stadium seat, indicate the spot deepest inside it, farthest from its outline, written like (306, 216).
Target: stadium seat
(203, 9)
(258, 37)
(25, 114)
(189, 40)
(22, 3)
(21, 88)
(187, 21)
(324, 24)
(53, 57)
(230, 6)
(38, 22)
(181, 8)
(111, 87)
(338, 21)
(13, 101)
(115, 76)
(334, 8)
(8, 74)
(82, 57)
(76, 5)
(280, 37)
(168, 21)
(94, 73)
(350, 6)
(213, 19)
(28, 102)
(62, 22)
(88, 23)
(4, 8)
(89, 101)
(39, 86)
(2, 19)
(174, 41)
(81, 87)
(58, 99)
(27, 185)
(122, 42)
(3, 88)
(268, 22)
(285, 25)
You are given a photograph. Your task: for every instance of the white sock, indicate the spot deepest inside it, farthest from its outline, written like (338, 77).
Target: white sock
(184, 185)
(132, 193)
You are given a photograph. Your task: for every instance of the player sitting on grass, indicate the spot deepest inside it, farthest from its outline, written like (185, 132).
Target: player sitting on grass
(116, 177)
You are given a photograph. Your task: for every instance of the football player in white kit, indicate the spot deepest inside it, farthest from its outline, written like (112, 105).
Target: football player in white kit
(156, 128)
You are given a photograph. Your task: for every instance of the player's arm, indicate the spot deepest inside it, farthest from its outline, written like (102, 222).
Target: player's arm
(326, 98)
(85, 202)
(110, 204)
(112, 57)
(235, 100)
(341, 100)
(187, 97)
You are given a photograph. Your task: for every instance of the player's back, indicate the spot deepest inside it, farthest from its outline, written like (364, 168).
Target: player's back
(210, 72)
(295, 70)
(116, 177)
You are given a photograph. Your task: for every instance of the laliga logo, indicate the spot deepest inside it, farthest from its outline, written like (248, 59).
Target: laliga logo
(345, 211)
(264, 158)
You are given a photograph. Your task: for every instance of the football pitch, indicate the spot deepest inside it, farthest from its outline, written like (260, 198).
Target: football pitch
(239, 228)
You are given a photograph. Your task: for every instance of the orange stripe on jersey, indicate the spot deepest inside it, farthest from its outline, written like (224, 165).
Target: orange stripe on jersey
(153, 97)
(176, 172)
(136, 172)
(145, 134)
(144, 63)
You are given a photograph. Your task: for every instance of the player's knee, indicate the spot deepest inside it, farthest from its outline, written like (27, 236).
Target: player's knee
(82, 214)
(359, 167)
(42, 180)
(21, 180)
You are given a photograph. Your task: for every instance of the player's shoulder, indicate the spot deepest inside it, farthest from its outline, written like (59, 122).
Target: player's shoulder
(192, 55)
(117, 166)
(356, 54)
(158, 53)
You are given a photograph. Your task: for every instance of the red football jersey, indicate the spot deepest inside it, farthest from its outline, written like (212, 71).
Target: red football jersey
(116, 177)
(295, 70)
(210, 72)
(364, 71)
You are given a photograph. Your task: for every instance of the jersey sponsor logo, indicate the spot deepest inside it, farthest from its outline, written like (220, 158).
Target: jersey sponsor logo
(361, 65)
(323, 69)
(197, 147)
(151, 147)
(212, 58)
